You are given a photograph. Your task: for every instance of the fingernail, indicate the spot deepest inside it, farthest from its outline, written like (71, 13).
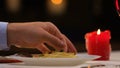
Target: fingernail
(62, 44)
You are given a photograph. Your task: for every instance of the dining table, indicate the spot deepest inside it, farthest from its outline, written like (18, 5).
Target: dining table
(114, 62)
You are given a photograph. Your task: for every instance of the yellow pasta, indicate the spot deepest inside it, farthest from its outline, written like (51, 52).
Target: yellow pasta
(56, 55)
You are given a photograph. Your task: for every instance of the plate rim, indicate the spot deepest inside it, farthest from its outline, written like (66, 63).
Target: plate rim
(79, 56)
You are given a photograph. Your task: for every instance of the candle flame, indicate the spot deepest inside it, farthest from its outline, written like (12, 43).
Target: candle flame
(98, 32)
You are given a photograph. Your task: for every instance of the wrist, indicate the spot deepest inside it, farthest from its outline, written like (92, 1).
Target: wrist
(10, 34)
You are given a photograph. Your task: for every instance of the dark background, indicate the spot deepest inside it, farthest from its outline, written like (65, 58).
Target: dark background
(81, 16)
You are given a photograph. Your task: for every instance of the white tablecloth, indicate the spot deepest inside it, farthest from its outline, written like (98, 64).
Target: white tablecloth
(114, 60)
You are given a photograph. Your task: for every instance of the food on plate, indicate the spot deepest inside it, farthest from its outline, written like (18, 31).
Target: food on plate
(55, 55)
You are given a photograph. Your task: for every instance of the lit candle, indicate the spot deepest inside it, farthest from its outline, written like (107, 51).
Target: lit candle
(98, 43)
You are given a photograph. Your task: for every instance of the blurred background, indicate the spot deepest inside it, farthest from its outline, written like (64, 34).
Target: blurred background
(74, 18)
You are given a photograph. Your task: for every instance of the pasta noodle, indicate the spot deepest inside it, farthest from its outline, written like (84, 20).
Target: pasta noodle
(56, 55)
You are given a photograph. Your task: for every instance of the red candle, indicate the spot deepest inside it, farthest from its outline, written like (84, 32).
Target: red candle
(98, 43)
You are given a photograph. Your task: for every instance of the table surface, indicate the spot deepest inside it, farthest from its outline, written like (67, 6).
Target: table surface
(114, 59)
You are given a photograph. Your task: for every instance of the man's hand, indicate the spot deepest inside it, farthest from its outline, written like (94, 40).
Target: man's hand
(37, 35)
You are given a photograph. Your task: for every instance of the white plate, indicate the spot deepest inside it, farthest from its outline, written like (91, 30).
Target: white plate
(57, 61)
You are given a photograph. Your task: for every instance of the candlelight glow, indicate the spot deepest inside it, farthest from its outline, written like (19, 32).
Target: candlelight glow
(13, 5)
(98, 32)
(57, 2)
(56, 7)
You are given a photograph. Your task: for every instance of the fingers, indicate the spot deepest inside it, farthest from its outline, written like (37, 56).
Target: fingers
(43, 48)
(56, 32)
(54, 42)
(52, 29)
(58, 41)
(70, 46)
(58, 44)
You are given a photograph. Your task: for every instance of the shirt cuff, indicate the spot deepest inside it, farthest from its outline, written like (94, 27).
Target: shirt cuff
(3, 36)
